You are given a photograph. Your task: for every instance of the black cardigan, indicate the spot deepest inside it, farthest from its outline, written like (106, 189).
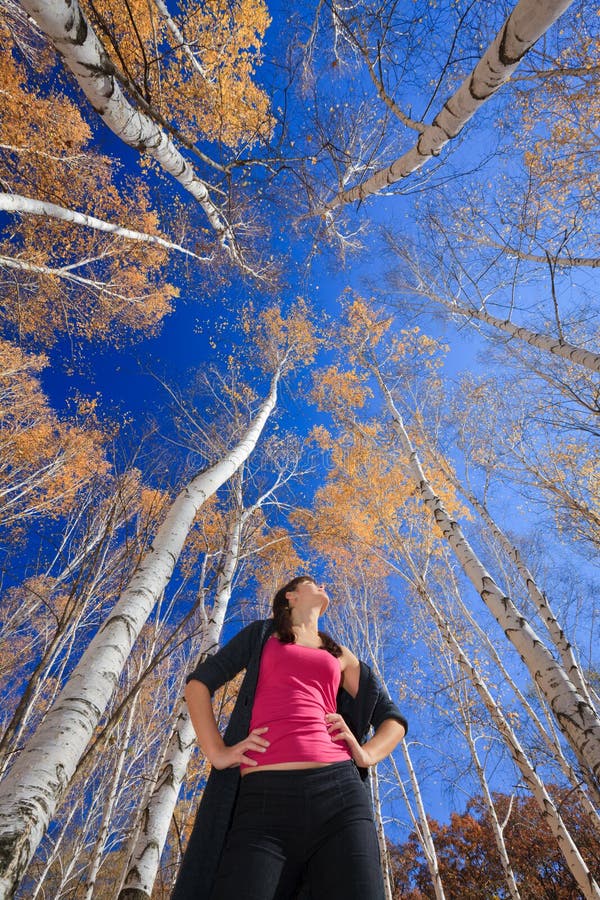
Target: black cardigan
(370, 707)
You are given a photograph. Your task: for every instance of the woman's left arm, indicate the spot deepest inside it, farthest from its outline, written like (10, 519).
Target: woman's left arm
(388, 733)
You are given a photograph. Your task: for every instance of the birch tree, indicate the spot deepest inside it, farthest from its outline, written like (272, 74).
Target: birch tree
(36, 783)
(526, 24)
(154, 825)
(14, 203)
(540, 601)
(73, 36)
(545, 342)
(61, 608)
(577, 866)
(520, 756)
(476, 678)
(57, 274)
(577, 720)
(467, 713)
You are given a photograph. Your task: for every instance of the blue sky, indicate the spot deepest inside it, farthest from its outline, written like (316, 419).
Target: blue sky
(201, 329)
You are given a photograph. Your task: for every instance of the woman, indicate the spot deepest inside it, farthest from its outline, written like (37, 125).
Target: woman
(285, 803)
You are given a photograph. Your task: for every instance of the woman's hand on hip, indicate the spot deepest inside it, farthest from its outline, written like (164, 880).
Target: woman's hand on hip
(340, 731)
(230, 757)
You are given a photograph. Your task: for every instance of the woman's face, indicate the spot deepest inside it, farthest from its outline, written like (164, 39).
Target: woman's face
(307, 595)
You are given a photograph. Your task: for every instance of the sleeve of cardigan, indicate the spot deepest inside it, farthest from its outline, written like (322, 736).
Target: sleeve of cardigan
(228, 661)
(385, 708)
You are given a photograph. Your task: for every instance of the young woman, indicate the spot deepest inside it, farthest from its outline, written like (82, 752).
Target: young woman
(285, 812)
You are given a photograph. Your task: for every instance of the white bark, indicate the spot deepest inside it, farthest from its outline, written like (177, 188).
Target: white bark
(537, 597)
(550, 814)
(145, 858)
(576, 719)
(566, 261)
(15, 203)
(497, 828)
(65, 274)
(178, 35)
(35, 785)
(383, 850)
(109, 803)
(106, 522)
(529, 20)
(549, 737)
(423, 830)
(66, 26)
(540, 601)
(555, 345)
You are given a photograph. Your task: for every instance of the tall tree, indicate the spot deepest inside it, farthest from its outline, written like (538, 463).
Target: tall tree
(526, 24)
(132, 120)
(31, 791)
(58, 276)
(577, 720)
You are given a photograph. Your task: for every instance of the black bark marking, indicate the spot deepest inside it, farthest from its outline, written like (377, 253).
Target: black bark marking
(503, 55)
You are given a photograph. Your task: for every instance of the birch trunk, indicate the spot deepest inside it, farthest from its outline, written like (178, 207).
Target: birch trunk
(145, 857)
(576, 718)
(540, 601)
(497, 828)
(427, 838)
(32, 790)
(550, 738)
(66, 26)
(529, 20)
(383, 850)
(60, 645)
(550, 814)
(568, 261)
(15, 203)
(555, 345)
(537, 597)
(64, 273)
(109, 804)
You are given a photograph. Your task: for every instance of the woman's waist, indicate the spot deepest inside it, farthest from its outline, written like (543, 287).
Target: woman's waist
(298, 740)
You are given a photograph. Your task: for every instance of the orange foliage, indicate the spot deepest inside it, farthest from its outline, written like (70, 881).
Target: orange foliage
(370, 495)
(276, 561)
(278, 337)
(44, 462)
(561, 117)
(367, 499)
(45, 155)
(224, 103)
(333, 389)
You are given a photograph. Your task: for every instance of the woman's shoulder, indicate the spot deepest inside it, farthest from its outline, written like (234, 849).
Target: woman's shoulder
(348, 658)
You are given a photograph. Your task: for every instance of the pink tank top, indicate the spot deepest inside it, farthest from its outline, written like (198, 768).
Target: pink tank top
(297, 687)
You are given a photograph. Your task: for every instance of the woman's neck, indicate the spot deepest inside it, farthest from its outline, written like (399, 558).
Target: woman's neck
(306, 627)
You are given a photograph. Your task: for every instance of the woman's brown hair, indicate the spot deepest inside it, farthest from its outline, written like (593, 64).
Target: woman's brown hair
(282, 616)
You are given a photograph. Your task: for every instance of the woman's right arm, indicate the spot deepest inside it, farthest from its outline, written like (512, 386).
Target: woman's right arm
(198, 699)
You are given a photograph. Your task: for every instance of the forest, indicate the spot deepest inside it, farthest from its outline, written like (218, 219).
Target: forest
(301, 288)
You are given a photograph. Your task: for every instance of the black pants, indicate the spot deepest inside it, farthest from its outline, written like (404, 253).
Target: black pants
(313, 825)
